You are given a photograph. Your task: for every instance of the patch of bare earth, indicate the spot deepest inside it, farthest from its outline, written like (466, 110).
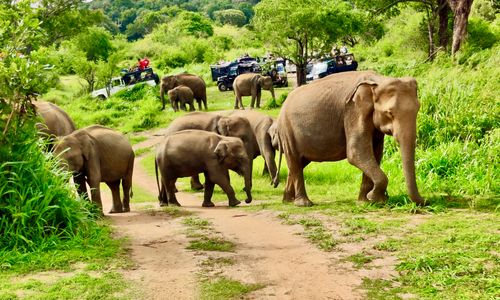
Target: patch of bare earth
(267, 252)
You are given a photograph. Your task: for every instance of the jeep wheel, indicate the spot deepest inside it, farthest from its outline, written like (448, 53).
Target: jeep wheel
(222, 87)
(101, 97)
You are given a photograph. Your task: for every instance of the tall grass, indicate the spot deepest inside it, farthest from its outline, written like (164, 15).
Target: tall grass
(43, 224)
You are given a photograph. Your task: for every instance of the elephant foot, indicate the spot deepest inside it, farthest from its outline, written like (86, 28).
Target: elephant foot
(208, 204)
(248, 201)
(302, 202)
(174, 203)
(377, 196)
(287, 198)
(234, 203)
(126, 209)
(196, 186)
(115, 211)
(163, 204)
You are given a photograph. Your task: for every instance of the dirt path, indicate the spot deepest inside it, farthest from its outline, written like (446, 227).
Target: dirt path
(267, 252)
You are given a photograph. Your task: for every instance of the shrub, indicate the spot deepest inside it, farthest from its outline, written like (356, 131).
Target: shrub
(37, 206)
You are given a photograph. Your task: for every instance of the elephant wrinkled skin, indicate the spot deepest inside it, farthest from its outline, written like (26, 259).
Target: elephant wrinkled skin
(346, 115)
(251, 84)
(99, 154)
(194, 82)
(190, 152)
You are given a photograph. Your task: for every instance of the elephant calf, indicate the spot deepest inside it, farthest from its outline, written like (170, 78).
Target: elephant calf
(183, 95)
(190, 152)
(99, 154)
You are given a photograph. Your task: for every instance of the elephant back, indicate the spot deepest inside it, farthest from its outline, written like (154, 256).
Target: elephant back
(56, 121)
(195, 83)
(195, 120)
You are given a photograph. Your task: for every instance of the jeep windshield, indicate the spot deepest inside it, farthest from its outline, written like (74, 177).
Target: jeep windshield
(319, 68)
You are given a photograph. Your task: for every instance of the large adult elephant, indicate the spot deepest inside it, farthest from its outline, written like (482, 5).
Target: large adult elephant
(234, 126)
(346, 115)
(190, 152)
(99, 154)
(194, 82)
(251, 84)
(56, 122)
(261, 124)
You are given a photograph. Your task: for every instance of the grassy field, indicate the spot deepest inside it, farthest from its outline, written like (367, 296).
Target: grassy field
(448, 249)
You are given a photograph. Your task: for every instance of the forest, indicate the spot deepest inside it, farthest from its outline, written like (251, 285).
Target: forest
(56, 244)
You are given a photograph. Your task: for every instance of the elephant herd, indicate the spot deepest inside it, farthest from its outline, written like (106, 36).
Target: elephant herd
(341, 116)
(182, 89)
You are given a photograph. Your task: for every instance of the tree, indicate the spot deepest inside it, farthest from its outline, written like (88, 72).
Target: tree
(96, 43)
(461, 10)
(231, 16)
(297, 30)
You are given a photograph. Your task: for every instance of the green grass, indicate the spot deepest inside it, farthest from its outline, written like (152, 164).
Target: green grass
(224, 288)
(108, 285)
(211, 244)
(360, 259)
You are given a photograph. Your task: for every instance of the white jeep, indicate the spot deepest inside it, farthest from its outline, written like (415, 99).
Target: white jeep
(127, 81)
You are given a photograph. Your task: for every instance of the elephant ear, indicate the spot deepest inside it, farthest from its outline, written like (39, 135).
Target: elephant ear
(366, 82)
(221, 150)
(87, 145)
(223, 126)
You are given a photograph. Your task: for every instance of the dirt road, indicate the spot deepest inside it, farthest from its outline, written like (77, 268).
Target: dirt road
(267, 252)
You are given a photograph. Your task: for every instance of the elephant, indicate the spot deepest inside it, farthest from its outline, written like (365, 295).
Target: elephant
(234, 126)
(195, 83)
(190, 152)
(99, 154)
(347, 115)
(56, 122)
(182, 94)
(261, 125)
(251, 84)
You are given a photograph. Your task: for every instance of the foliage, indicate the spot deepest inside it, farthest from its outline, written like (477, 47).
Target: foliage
(304, 31)
(48, 211)
(96, 43)
(231, 16)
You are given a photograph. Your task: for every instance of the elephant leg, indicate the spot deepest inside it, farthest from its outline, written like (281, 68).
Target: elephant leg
(162, 197)
(236, 102)
(95, 192)
(289, 193)
(209, 190)
(268, 153)
(252, 103)
(221, 178)
(259, 94)
(127, 185)
(195, 183)
(296, 176)
(199, 103)
(362, 156)
(366, 182)
(183, 106)
(172, 199)
(205, 102)
(191, 106)
(115, 191)
(173, 103)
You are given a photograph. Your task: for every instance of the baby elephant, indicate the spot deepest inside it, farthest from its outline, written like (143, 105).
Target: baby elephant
(98, 154)
(183, 95)
(190, 152)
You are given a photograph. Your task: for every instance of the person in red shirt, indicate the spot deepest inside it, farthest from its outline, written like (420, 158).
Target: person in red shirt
(143, 63)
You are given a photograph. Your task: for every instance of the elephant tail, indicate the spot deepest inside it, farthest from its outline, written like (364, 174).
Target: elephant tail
(276, 179)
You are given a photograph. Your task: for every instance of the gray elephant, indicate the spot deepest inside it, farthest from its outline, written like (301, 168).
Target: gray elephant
(251, 84)
(183, 95)
(195, 83)
(346, 116)
(234, 126)
(261, 125)
(56, 122)
(190, 152)
(100, 154)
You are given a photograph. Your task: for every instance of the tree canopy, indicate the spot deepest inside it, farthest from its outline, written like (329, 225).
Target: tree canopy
(299, 31)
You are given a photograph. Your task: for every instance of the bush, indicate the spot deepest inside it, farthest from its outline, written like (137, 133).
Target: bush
(37, 206)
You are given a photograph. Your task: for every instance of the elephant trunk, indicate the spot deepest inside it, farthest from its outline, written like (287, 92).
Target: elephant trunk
(407, 143)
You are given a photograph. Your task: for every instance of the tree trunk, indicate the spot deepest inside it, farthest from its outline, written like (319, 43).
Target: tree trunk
(301, 74)
(443, 13)
(461, 9)
(430, 33)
